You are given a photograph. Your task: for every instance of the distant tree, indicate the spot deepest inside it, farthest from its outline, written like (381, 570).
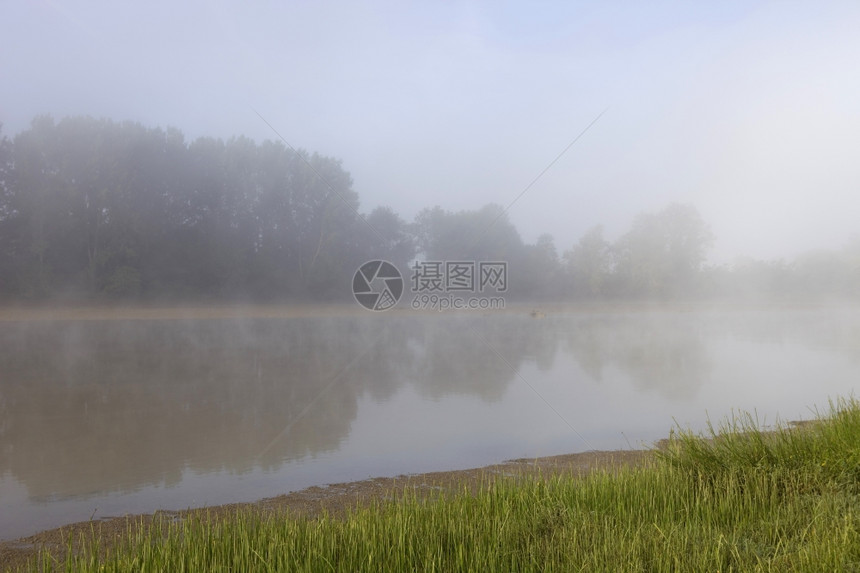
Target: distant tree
(325, 215)
(34, 180)
(387, 237)
(662, 253)
(82, 200)
(588, 264)
(538, 272)
(9, 234)
(483, 234)
(852, 263)
(95, 208)
(99, 208)
(753, 279)
(828, 272)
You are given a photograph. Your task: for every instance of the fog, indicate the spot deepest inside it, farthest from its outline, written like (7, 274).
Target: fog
(748, 111)
(653, 207)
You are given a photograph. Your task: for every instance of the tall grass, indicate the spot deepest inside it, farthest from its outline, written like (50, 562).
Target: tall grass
(738, 499)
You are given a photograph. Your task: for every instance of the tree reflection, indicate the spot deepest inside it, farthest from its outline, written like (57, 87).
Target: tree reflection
(90, 407)
(100, 406)
(666, 354)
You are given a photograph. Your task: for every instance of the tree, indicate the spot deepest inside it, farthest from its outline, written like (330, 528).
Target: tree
(485, 234)
(662, 253)
(538, 271)
(95, 208)
(9, 233)
(31, 183)
(325, 211)
(589, 263)
(387, 237)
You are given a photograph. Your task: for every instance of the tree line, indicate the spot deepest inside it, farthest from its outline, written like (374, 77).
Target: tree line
(97, 209)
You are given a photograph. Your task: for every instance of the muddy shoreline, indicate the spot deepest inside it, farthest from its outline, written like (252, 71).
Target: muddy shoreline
(334, 499)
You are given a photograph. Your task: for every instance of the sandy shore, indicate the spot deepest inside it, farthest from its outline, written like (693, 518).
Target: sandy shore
(334, 499)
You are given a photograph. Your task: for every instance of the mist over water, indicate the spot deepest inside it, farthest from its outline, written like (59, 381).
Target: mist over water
(107, 417)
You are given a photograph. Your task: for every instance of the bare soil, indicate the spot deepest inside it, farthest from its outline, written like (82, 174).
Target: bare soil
(334, 499)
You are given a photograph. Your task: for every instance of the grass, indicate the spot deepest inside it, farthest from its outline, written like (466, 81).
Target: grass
(737, 499)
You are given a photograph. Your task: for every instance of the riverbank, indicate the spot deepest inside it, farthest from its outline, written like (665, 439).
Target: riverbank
(738, 499)
(334, 499)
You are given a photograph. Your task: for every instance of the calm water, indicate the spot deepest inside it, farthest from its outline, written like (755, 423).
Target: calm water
(104, 418)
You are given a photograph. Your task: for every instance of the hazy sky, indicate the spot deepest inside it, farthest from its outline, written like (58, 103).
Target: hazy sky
(748, 110)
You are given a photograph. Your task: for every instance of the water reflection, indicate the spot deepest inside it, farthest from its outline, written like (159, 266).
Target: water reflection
(104, 406)
(665, 354)
(92, 407)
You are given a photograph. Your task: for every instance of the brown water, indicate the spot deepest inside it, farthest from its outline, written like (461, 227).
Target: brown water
(108, 417)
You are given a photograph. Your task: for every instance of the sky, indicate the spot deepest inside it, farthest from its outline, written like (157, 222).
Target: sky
(749, 110)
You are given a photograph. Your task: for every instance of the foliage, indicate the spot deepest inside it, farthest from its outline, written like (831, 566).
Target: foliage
(662, 253)
(486, 234)
(589, 263)
(93, 208)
